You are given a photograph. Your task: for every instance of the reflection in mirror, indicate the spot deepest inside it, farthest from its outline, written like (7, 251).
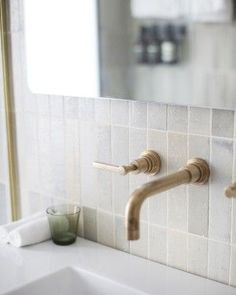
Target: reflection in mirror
(179, 52)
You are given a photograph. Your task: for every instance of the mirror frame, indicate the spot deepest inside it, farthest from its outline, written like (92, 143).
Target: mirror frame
(9, 110)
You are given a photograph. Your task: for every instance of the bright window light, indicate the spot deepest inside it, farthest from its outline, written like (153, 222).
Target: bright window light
(62, 47)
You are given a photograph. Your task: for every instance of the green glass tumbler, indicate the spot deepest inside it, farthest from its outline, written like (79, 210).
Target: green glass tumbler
(63, 222)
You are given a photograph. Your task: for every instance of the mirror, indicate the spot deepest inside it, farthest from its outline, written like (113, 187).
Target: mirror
(180, 52)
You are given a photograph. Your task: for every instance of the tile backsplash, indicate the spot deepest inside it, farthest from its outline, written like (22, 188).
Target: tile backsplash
(59, 138)
(186, 227)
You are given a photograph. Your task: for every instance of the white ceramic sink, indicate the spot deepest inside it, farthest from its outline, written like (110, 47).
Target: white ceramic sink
(90, 268)
(70, 281)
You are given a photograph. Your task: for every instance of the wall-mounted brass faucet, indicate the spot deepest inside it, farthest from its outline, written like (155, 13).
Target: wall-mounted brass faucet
(230, 191)
(196, 171)
(149, 162)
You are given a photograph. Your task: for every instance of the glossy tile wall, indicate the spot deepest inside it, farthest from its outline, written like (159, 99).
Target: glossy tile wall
(60, 137)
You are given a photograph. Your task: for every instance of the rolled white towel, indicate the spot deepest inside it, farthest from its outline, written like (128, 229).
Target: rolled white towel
(212, 10)
(6, 228)
(167, 9)
(32, 232)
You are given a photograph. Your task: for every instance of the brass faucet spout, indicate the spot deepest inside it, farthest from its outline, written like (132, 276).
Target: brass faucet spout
(196, 171)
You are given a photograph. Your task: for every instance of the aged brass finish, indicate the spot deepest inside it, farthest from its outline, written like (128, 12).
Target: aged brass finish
(9, 108)
(149, 162)
(230, 191)
(196, 171)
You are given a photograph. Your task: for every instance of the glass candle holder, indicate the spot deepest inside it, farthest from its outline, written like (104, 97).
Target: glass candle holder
(63, 222)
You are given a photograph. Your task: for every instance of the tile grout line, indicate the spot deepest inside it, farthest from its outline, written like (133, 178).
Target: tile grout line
(112, 180)
(167, 194)
(187, 188)
(129, 128)
(182, 133)
(209, 196)
(232, 207)
(148, 204)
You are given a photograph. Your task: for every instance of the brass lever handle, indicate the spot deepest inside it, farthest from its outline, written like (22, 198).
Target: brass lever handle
(149, 162)
(230, 191)
(122, 170)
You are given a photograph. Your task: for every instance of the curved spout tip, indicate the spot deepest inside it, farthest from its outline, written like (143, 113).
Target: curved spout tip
(132, 235)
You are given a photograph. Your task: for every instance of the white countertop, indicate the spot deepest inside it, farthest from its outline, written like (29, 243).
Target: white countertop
(23, 265)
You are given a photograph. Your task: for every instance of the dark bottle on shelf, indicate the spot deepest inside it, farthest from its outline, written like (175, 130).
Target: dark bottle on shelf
(168, 45)
(153, 45)
(140, 46)
(179, 35)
